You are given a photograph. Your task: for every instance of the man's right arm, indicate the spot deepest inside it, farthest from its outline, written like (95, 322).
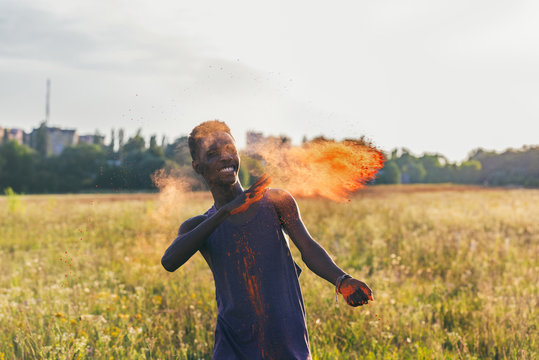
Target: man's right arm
(191, 236)
(194, 232)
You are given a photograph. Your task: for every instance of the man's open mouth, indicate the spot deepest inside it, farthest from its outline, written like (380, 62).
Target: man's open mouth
(227, 169)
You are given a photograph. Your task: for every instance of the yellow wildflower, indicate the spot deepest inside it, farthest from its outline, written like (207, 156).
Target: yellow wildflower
(157, 300)
(115, 332)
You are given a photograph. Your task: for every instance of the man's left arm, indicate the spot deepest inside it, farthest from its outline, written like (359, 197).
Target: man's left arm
(355, 292)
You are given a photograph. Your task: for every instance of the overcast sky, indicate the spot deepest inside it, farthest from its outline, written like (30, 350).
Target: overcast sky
(431, 76)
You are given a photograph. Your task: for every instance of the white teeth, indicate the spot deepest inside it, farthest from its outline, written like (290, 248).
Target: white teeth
(227, 169)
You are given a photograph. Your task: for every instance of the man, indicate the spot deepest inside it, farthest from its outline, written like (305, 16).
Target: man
(261, 311)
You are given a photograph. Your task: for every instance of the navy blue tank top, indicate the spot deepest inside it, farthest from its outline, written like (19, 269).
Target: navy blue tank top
(261, 314)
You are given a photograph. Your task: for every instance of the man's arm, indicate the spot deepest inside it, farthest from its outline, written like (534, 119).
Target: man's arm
(191, 236)
(315, 257)
(193, 232)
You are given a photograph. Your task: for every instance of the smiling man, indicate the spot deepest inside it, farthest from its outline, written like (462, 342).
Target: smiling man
(261, 314)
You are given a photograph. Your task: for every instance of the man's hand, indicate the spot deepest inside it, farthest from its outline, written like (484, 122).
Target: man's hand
(355, 292)
(250, 196)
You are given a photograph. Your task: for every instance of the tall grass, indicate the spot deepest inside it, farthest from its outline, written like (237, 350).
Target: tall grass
(454, 274)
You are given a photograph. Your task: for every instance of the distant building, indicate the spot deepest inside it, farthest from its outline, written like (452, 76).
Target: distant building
(57, 139)
(253, 139)
(17, 135)
(92, 139)
(12, 134)
(256, 141)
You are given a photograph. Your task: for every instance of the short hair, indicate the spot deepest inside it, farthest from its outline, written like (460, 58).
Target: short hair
(201, 131)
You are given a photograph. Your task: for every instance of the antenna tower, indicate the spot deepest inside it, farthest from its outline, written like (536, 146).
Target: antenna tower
(48, 100)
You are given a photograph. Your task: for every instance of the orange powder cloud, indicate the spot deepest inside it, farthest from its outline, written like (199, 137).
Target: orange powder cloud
(325, 168)
(172, 189)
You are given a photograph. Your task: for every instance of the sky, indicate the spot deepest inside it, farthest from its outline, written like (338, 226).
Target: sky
(431, 76)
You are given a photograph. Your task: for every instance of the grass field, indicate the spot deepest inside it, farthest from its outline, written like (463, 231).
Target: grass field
(454, 272)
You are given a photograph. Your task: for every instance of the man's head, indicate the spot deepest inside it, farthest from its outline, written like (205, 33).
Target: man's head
(203, 130)
(214, 153)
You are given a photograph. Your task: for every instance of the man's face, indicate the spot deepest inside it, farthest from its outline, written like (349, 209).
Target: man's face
(218, 160)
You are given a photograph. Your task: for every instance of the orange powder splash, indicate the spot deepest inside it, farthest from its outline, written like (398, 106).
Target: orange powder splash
(325, 168)
(254, 194)
(247, 268)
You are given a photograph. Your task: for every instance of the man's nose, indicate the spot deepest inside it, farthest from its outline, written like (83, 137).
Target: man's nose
(227, 155)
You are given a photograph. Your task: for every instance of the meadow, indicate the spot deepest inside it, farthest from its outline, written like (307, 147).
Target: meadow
(454, 272)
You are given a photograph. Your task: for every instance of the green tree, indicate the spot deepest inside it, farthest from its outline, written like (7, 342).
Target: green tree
(390, 173)
(411, 168)
(111, 154)
(17, 164)
(512, 167)
(79, 166)
(434, 168)
(41, 139)
(155, 149)
(179, 152)
(135, 144)
(121, 143)
(469, 172)
(250, 170)
(97, 138)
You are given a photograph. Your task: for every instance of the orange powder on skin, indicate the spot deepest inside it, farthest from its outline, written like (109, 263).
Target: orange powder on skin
(348, 290)
(329, 169)
(254, 196)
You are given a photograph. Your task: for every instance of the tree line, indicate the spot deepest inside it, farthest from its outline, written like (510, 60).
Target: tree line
(512, 167)
(128, 166)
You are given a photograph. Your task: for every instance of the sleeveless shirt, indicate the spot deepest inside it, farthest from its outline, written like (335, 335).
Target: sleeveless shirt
(261, 314)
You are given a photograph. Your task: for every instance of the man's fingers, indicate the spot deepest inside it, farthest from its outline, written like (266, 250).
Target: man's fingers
(257, 183)
(260, 184)
(362, 298)
(252, 196)
(353, 300)
(356, 298)
(367, 291)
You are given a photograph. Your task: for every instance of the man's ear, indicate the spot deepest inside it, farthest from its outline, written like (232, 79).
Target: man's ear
(196, 167)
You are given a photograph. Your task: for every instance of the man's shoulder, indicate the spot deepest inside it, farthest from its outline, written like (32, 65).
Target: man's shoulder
(281, 199)
(276, 195)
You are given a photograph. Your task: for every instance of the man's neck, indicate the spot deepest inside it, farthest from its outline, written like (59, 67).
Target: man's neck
(225, 194)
